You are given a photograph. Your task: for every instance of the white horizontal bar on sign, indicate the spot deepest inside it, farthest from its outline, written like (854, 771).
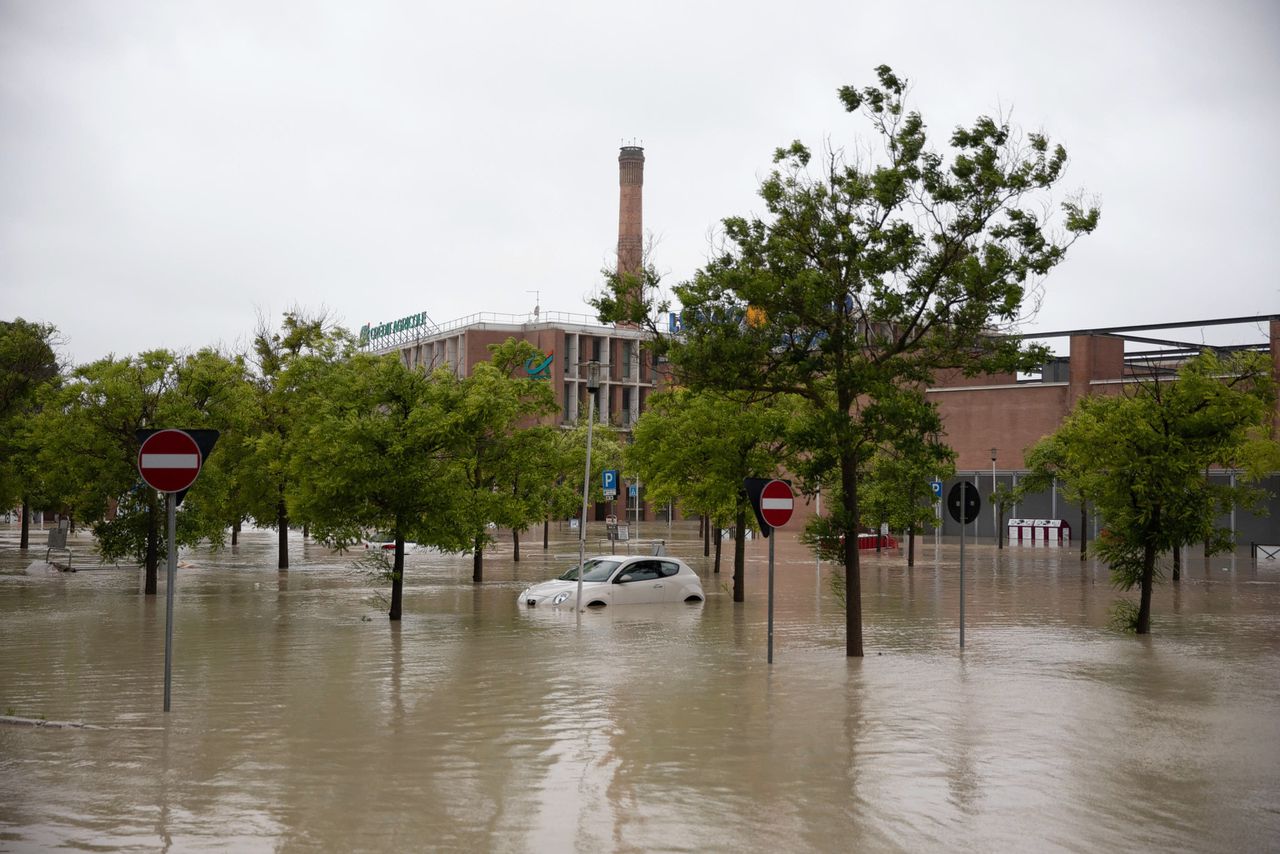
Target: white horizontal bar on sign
(170, 461)
(776, 503)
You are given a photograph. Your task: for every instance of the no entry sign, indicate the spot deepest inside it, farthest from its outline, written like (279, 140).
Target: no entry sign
(777, 503)
(169, 460)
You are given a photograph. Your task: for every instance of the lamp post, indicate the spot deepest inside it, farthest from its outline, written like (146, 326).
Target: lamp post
(593, 383)
(995, 517)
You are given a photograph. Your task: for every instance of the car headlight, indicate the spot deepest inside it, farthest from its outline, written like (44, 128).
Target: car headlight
(561, 597)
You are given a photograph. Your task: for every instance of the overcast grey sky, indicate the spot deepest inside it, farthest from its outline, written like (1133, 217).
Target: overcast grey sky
(168, 171)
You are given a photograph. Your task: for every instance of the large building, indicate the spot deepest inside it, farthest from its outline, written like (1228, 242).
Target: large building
(990, 421)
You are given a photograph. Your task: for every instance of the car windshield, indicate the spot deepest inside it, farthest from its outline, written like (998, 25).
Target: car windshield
(598, 569)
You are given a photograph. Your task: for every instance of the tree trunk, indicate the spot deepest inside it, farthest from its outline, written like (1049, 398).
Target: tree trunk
(477, 562)
(852, 568)
(739, 556)
(282, 536)
(151, 558)
(911, 544)
(515, 545)
(706, 536)
(717, 565)
(397, 578)
(1084, 528)
(1144, 600)
(546, 532)
(1177, 563)
(24, 541)
(306, 530)
(235, 533)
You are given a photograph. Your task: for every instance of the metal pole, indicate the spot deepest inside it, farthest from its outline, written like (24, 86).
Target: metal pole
(817, 557)
(586, 486)
(171, 575)
(995, 523)
(964, 500)
(1233, 518)
(771, 539)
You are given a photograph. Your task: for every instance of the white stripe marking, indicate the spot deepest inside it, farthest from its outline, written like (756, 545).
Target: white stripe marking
(776, 503)
(170, 461)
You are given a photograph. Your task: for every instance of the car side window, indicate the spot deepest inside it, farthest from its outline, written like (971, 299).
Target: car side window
(668, 568)
(643, 570)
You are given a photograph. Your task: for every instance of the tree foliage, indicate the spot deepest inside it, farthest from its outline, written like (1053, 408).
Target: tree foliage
(88, 448)
(868, 274)
(1141, 458)
(28, 363)
(261, 492)
(375, 448)
(501, 441)
(696, 448)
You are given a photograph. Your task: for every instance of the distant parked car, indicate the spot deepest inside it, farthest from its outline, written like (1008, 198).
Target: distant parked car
(387, 543)
(618, 580)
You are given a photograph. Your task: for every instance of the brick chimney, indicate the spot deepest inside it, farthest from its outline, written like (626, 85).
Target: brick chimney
(630, 218)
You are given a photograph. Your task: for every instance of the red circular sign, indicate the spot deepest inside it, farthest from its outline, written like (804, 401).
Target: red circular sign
(169, 460)
(777, 503)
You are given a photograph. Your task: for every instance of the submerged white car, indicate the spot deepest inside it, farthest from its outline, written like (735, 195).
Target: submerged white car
(618, 580)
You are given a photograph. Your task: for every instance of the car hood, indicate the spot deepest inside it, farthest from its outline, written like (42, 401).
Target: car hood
(551, 588)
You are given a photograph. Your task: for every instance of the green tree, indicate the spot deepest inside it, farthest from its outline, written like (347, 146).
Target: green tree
(498, 409)
(27, 364)
(869, 275)
(1049, 466)
(263, 484)
(376, 446)
(89, 449)
(696, 448)
(1141, 457)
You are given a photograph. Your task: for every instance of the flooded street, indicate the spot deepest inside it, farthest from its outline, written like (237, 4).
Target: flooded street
(303, 720)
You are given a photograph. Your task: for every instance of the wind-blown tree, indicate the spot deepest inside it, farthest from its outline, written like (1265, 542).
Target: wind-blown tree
(498, 409)
(376, 446)
(696, 448)
(27, 364)
(1141, 457)
(264, 483)
(872, 273)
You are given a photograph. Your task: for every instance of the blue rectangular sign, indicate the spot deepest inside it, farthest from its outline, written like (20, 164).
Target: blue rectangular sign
(936, 486)
(609, 480)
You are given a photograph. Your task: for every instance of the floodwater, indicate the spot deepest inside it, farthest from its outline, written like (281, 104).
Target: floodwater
(303, 720)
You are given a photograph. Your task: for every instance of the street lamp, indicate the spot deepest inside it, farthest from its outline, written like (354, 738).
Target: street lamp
(995, 519)
(593, 383)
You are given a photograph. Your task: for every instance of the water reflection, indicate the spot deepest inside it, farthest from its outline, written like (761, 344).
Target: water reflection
(303, 719)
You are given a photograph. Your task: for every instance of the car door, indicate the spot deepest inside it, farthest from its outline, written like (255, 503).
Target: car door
(638, 583)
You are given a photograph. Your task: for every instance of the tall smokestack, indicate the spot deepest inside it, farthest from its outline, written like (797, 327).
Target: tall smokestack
(630, 219)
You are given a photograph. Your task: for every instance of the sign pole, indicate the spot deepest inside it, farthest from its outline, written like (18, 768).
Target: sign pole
(963, 525)
(170, 577)
(771, 540)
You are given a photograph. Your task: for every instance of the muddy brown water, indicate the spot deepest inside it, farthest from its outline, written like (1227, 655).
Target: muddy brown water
(303, 720)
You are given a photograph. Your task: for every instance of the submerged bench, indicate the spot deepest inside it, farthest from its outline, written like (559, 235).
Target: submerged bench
(58, 543)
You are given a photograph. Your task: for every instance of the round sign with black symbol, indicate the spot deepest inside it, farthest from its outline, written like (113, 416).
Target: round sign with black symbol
(963, 502)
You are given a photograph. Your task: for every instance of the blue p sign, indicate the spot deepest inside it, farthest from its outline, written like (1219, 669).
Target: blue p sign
(609, 480)
(936, 486)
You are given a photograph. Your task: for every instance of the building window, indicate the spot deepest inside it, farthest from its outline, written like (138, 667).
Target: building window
(626, 407)
(626, 362)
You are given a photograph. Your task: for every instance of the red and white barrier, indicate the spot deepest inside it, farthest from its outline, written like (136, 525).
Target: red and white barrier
(1054, 533)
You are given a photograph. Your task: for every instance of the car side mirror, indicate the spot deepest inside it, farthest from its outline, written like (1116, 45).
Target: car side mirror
(623, 579)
